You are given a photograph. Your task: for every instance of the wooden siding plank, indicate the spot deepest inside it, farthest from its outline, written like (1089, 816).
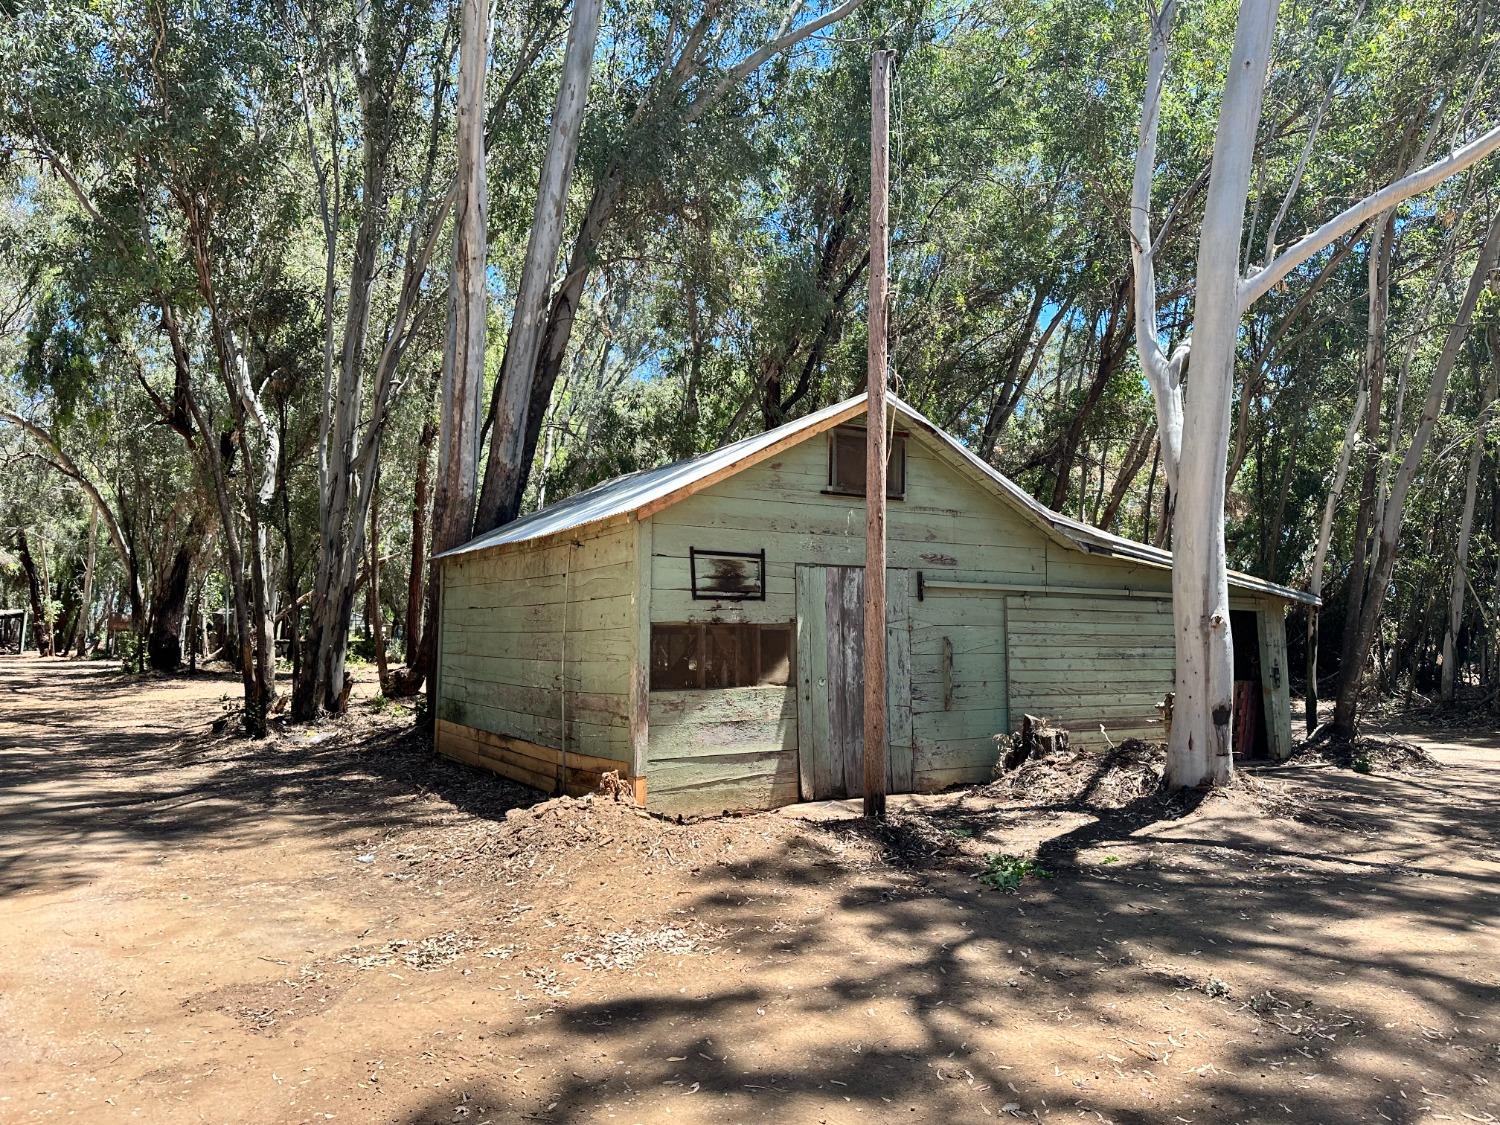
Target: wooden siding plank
(539, 767)
(812, 674)
(1273, 666)
(1083, 662)
(898, 681)
(640, 655)
(720, 740)
(721, 705)
(960, 699)
(846, 697)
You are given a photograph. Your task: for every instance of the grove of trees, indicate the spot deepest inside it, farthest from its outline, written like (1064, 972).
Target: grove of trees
(294, 294)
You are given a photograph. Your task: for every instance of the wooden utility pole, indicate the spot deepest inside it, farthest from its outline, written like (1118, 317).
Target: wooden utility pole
(875, 430)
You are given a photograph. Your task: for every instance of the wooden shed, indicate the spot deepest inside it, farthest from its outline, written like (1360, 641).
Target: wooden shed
(697, 627)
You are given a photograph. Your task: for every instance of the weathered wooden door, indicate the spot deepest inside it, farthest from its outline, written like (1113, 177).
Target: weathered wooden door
(831, 683)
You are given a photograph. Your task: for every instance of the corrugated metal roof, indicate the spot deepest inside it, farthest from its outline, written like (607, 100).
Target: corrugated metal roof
(633, 491)
(652, 487)
(1086, 537)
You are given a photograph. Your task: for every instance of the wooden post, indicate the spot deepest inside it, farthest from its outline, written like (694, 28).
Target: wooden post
(875, 430)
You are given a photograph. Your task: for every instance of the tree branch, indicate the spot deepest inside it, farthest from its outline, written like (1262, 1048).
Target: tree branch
(1263, 280)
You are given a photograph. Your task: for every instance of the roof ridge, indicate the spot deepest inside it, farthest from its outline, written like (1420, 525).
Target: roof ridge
(668, 483)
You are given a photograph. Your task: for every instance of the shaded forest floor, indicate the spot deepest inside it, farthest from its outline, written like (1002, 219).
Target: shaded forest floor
(332, 925)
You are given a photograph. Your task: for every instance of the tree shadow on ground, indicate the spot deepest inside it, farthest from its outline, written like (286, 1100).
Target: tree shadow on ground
(75, 794)
(900, 988)
(911, 992)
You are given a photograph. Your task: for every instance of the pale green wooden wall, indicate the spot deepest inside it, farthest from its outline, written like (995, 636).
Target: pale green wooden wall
(1082, 661)
(945, 525)
(1076, 658)
(1079, 659)
(521, 623)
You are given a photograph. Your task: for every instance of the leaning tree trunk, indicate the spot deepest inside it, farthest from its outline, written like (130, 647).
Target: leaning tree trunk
(41, 632)
(1377, 318)
(1320, 553)
(508, 438)
(86, 604)
(463, 357)
(1466, 523)
(1389, 528)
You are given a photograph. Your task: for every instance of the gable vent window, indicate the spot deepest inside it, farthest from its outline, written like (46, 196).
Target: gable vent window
(846, 463)
(691, 657)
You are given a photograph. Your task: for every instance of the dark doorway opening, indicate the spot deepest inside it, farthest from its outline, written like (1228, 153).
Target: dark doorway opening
(1249, 697)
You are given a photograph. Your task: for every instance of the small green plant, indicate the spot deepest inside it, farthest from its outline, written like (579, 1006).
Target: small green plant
(1110, 859)
(1362, 764)
(382, 702)
(132, 650)
(1005, 872)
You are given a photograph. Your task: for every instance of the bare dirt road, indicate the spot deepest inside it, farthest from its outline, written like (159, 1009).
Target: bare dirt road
(331, 926)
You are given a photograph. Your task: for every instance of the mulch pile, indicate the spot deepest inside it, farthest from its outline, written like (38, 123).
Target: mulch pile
(1080, 778)
(1131, 778)
(1366, 753)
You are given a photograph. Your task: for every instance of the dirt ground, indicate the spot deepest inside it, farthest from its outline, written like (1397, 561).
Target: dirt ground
(332, 925)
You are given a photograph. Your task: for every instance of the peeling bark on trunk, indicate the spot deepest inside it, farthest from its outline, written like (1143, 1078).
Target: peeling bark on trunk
(463, 356)
(504, 478)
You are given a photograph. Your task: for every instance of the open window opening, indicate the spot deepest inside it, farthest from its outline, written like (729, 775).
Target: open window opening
(846, 463)
(691, 657)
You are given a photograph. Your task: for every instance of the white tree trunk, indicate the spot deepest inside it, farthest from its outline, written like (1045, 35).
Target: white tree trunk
(1466, 524)
(86, 602)
(463, 357)
(1201, 749)
(463, 368)
(508, 438)
(1164, 376)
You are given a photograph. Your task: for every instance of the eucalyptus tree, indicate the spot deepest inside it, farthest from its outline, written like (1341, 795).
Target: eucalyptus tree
(468, 303)
(171, 128)
(675, 76)
(1194, 429)
(1459, 584)
(382, 172)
